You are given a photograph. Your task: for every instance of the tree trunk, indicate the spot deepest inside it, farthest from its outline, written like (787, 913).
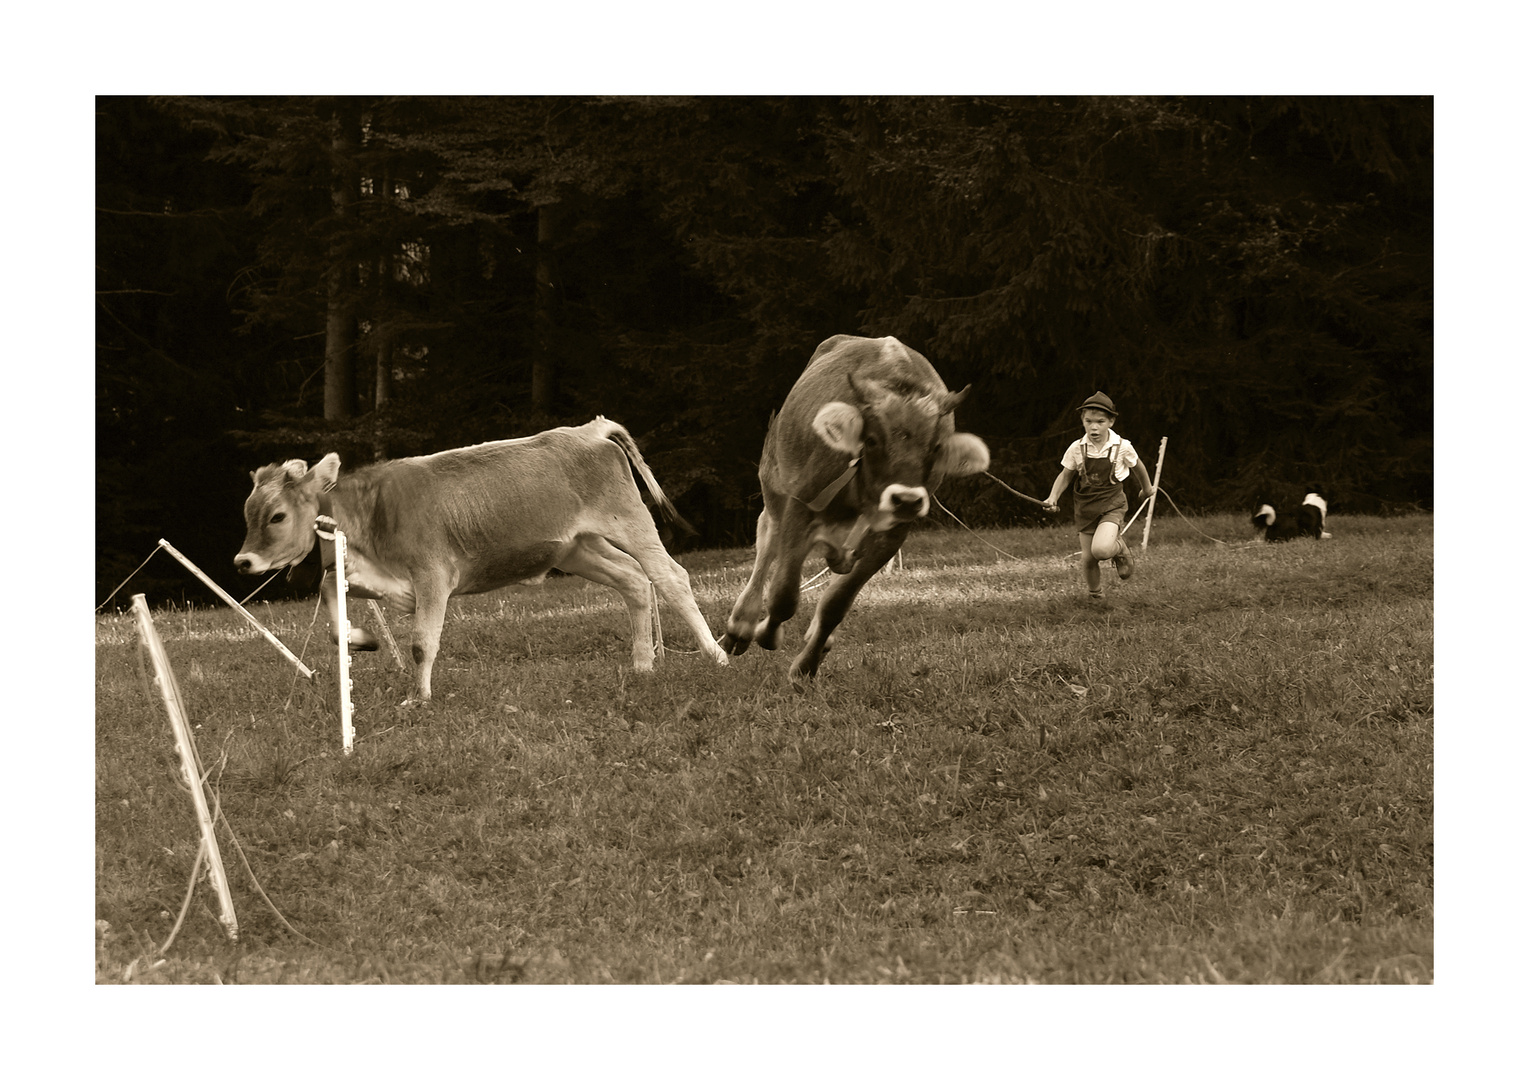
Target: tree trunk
(384, 388)
(382, 315)
(384, 394)
(340, 322)
(543, 364)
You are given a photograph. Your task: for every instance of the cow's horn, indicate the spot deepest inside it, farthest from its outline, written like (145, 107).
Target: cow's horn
(952, 400)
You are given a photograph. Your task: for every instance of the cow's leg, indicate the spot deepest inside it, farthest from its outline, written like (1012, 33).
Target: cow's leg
(432, 588)
(792, 540)
(360, 639)
(595, 558)
(749, 607)
(876, 550)
(774, 588)
(640, 540)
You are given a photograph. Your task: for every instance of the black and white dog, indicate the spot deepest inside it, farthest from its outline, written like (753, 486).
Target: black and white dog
(1309, 519)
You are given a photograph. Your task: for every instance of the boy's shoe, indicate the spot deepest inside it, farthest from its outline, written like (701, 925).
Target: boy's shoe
(1099, 595)
(1123, 563)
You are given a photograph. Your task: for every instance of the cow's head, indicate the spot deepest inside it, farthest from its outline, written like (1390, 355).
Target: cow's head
(907, 443)
(279, 513)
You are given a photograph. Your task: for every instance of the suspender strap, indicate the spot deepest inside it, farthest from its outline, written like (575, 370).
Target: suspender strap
(1112, 454)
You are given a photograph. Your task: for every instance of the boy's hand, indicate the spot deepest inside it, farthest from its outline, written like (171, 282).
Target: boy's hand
(1049, 506)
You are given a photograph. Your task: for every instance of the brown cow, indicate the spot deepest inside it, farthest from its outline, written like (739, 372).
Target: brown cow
(852, 460)
(419, 530)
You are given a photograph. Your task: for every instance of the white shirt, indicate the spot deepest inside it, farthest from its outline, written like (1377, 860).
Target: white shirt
(1125, 457)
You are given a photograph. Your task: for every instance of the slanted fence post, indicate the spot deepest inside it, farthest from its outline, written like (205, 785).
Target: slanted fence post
(191, 764)
(307, 673)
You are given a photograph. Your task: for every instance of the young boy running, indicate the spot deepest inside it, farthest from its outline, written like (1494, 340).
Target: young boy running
(1100, 462)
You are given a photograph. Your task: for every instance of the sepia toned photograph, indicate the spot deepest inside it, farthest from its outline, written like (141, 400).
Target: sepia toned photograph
(764, 540)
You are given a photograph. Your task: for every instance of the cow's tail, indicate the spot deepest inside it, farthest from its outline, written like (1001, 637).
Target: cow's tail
(619, 435)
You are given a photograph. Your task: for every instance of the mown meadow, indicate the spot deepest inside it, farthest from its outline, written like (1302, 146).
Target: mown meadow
(1222, 774)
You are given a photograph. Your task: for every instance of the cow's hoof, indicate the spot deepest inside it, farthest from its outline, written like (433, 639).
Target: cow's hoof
(362, 640)
(768, 636)
(732, 645)
(804, 668)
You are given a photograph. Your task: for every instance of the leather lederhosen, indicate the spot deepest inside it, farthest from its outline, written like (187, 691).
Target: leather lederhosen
(1095, 490)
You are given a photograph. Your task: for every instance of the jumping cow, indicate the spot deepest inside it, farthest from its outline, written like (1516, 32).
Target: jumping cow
(421, 529)
(851, 461)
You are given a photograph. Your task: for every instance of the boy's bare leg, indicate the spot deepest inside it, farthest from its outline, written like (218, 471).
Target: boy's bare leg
(1109, 544)
(1106, 541)
(1091, 576)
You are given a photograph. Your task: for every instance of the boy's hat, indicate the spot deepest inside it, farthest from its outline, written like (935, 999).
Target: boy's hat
(1101, 401)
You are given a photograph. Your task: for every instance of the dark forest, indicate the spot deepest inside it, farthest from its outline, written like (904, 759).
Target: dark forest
(1251, 278)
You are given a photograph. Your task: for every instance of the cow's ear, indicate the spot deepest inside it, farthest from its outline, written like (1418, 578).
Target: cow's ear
(962, 454)
(327, 471)
(294, 469)
(839, 425)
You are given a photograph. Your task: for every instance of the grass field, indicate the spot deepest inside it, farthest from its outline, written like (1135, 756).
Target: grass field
(1224, 773)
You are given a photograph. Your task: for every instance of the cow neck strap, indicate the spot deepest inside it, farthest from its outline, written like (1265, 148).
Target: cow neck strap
(325, 525)
(826, 496)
